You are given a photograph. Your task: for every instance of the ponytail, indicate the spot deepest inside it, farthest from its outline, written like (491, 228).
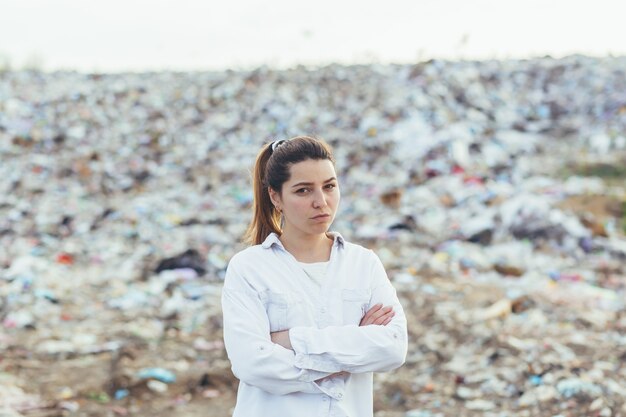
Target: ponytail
(265, 218)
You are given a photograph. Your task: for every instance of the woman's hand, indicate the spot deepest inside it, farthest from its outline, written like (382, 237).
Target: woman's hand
(282, 338)
(378, 315)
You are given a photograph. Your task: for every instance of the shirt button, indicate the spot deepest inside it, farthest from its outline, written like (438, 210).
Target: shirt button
(340, 395)
(323, 309)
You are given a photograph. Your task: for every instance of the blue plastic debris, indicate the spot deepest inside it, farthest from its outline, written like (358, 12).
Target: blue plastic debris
(120, 394)
(159, 374)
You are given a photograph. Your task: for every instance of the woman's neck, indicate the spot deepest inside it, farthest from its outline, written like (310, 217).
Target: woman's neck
(312, 248)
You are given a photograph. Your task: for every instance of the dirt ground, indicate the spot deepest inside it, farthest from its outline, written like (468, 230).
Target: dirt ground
(440, 327)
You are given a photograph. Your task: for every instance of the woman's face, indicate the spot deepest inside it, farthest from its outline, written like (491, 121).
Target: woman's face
(310, 198)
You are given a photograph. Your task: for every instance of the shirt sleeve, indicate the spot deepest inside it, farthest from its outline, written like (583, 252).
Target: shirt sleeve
(353, 348)
(255, 359)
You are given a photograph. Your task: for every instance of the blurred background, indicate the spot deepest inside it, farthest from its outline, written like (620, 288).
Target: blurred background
(481, 149)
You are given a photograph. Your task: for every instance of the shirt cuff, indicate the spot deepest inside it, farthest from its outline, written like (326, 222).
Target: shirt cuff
(332, 389)
(309, 375)
(300, 340)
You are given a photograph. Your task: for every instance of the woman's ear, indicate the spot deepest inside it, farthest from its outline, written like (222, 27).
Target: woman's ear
(274, 197)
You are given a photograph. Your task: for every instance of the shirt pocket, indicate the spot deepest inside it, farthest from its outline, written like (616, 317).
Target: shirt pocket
(354, 304)
(277, 309)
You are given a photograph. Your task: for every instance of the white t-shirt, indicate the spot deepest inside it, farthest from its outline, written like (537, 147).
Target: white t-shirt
(266, 290)
(316, 271)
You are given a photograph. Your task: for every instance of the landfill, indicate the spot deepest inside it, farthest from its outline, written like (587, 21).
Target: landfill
(493, 191)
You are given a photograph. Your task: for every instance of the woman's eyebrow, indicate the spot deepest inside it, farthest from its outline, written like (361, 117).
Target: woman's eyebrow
(300, 184)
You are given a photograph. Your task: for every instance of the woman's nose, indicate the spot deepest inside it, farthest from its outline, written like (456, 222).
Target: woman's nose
(319, 200)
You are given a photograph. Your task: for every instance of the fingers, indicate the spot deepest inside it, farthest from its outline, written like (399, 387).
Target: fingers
(378, 315)
(388, 319)
(368, 316)
(374, 318)
(384, 318)
(372, 310)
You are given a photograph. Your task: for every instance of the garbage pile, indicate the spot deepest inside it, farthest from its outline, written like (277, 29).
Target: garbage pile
(494, 192)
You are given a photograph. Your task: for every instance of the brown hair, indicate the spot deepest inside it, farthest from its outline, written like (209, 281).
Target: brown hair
(271, 170)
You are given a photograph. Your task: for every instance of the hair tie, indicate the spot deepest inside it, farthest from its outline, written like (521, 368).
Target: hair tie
(277, 143)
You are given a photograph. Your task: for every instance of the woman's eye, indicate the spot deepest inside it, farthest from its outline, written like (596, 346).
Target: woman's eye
(330, 186)
(301, 190)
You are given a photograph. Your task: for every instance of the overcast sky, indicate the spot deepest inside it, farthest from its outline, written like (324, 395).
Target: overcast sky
(138, 35)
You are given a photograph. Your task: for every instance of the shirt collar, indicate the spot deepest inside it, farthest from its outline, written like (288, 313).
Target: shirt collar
(272, 239)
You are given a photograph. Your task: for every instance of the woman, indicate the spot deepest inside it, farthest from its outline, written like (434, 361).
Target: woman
(308, 316)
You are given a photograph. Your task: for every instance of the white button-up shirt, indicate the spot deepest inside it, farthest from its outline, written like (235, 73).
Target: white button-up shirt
(266, 290)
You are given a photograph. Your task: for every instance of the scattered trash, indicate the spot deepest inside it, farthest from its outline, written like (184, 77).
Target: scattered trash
(480, 405)
(159, 374)
(120, 394)
(575, 387)
(492, 191)
(537, 395)
(157, 386)
(190, 259)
